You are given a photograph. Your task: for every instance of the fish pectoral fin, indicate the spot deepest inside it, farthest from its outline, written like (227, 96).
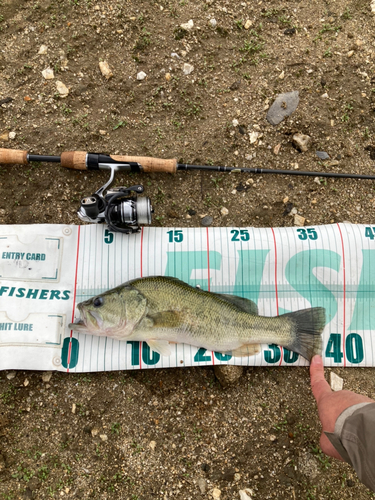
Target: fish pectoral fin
(246, 350)
(161, 346)
(165, 319)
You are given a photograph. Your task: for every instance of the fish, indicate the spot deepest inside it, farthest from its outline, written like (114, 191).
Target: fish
(163, 310)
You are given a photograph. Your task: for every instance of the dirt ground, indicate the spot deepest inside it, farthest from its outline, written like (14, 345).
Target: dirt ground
(177, 434)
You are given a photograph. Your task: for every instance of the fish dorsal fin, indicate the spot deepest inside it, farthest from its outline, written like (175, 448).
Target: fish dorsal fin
(165, 319)
(245, 350)
(161, 346)
(246, 305)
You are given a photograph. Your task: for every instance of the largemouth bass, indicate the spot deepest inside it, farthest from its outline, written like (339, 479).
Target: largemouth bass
(162, 310)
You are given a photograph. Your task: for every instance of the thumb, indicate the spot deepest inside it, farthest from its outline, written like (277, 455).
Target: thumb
(319, 384)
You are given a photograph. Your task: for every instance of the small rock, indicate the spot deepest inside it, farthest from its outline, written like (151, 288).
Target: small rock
(105, 69)
(187, 26)
(207, 221)
(202, 485)
(337, 382)
(212, 23)
(74, 407)
(350, 53)
(332, 163)
(237, 477)
(103, 437)
(174, 54)
(282, 75)
(11, 375)
(12, 135)
(62, 89)
(324, 96)
(168, 76)
(285, 200)
(246, 494)
(26, 382)
(43, 49)
(290, 31)
(299, 220)
(322, 155)
(293, 210)
(102, 132)
(235, 122)
(224, 211)
(48, 74)
(235, 85)
(4, 137)
(273, 437)
(95, 431)
(317, 180)
(254, 136)
(46, 376)
(283, 106)
(216, 493)
(228, 374)
(188, 68)
(141, 75)
(248, 24)
(191, 212)
(152, 445)
(173, 214)
(301, 141)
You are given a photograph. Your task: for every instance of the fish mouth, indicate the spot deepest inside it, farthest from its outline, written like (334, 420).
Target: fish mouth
(89, 322)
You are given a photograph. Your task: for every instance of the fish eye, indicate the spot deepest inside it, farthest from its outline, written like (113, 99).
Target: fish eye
(98, 301)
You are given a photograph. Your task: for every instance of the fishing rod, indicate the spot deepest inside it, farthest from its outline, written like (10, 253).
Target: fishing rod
(82, 160)
(120, 207)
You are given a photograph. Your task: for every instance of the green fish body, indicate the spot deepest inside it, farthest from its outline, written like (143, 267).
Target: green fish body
(162, 310)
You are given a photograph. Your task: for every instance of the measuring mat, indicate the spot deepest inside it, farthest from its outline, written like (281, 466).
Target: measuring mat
(45, 270)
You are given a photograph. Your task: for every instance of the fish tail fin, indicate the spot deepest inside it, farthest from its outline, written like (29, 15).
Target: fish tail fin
(308, 327)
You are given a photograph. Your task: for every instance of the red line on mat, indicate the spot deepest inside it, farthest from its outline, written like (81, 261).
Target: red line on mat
(142, 252)
(74, 298)
(276, 291)
(344, 293)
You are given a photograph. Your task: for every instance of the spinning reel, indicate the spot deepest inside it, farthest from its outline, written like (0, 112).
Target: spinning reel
(120, 208)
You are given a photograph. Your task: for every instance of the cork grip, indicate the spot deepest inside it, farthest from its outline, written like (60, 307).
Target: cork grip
(13, 156)
(150, 164)
(74, 159)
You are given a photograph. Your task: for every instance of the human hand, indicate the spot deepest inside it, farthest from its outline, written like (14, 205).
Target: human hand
(330, 404)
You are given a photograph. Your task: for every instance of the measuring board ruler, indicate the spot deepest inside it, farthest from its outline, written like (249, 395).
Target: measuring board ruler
(45, 270)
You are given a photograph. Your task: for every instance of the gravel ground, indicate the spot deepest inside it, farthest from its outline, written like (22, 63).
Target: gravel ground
(177, 434)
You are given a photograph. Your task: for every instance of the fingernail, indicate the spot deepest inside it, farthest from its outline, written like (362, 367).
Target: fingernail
(317, 360)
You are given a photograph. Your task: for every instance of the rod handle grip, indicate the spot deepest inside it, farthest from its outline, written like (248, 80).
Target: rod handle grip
(13, 156)
(74, 159)
(150, 164)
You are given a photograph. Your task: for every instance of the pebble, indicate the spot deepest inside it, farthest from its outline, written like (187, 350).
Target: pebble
(62, 89)
(207, 221)
(174, 54)
(332, 163)
(372, 5)
(273, 437)
(317, 180)
(152, 445)
(285, 200)
(94, 431)
(4, 137)
(299, 220)
(26, 382)
(188, 68)
(293, 211)
(48, 74)
(74, 407)
(212, 23)
(102, 132)
(168, 76)
(216, 493)
(254, 136)
(105, 69)
(141, 75)
(103, 437)
(224, 211)
(46, 376)
(43, 49)
(11, 375)
(301, 141)
(282, 75)
(202, 485)
(12, 135)
(350, 53)
(283, 106)
(228, 374)
(337, 382)
(246, 494)
(248, 24)
(187, 26)
(322, 155)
